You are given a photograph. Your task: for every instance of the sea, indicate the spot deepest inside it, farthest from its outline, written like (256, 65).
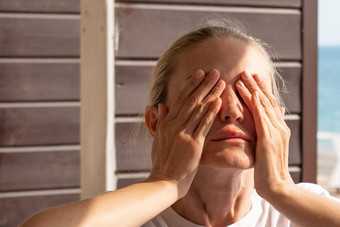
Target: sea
(328, 91)
(328, 120)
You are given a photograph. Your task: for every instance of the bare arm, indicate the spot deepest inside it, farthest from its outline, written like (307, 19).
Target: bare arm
(130, 206)
(272, 179)
(178, 145)
(304, 207)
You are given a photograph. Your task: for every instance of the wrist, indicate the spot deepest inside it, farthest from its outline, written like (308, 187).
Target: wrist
(279, 190)
(168, 185)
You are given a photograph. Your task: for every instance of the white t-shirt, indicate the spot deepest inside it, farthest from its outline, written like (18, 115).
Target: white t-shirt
(261, 213)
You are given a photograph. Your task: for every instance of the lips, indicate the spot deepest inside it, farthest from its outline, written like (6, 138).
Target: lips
(229, 134)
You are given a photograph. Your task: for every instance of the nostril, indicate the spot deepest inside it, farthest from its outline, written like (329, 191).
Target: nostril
(227, 117)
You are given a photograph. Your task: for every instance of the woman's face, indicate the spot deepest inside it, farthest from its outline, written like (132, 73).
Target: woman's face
(232, 138)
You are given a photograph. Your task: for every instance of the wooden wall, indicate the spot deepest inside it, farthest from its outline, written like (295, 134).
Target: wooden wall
(39, 106)
(147, 27)
(39, 87)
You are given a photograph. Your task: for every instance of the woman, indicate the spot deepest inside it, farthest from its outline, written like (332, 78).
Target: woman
(219, 132)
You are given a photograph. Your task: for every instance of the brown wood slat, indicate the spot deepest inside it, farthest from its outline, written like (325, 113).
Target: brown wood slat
(39, 170)
(133, 144)
(129, 181)
(295, 142)
(133, 84)
(45, 6)
(269, 3)
(296, 176)
(15, 210)
(292, 98)
(39, 82)
(146, 32)
(132, 88)
(39, 126)
(39, 37)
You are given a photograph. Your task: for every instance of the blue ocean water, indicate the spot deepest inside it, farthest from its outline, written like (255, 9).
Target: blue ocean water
(328, 93)
(329, 89)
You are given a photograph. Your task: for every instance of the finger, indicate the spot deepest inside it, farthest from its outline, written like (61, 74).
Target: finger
(259, 116)
(195, 100)
(262, 84)
(257, 84)
(208, 119)
(195, 80)
(273, 114)
(249, 82)
(244, 93)
(247, 98)
(283, 111)
(215, 92)
(267, 91)
(200, 109)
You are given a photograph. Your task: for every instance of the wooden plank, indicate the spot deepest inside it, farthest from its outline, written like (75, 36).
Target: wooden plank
(146, 31)
(309, 107)
(133, 146)
(97, 97)
(129, 181)
(132, 88)
(296, 176)
(60, 81)
(45, 6)
(39, 126)
(268, 3)
(295, 142)
(134, 78)
(39, 81)
(14, 210)
(39, 36)
(293, 79)
(39, 170)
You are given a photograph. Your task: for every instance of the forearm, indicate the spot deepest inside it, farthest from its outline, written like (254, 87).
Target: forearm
(304, 207)
(130, 206)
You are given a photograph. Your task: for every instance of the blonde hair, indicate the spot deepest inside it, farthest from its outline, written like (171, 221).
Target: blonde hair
(214, 28)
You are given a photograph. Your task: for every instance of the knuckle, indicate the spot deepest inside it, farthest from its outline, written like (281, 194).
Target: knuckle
(272, 100)
(205, 121)
(193, 100)
(200, 108)
(215, 92)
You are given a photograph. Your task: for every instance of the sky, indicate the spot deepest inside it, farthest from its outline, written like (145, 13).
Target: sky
(329, 23)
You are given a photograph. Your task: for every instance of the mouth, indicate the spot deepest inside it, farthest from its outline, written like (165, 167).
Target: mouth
(232, 136)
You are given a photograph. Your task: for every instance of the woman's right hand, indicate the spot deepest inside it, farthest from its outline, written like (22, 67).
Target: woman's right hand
(181, 130)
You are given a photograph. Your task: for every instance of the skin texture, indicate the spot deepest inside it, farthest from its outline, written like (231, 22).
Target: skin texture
(220, 134)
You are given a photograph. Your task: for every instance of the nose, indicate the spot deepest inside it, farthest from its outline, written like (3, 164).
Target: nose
(232, 108)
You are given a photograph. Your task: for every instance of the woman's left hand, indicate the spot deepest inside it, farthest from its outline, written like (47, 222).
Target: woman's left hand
(272, 146)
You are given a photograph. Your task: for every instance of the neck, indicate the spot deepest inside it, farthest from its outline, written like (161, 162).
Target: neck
(217, 198)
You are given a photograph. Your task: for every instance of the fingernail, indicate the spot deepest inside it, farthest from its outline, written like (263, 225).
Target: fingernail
(258, 77)
(219, 84)
(256, 94)
(246, 74)
(240, 83)
(199, 74)
(214, 74)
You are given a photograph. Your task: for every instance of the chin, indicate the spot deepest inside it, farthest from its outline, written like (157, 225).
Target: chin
(229, 157)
